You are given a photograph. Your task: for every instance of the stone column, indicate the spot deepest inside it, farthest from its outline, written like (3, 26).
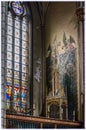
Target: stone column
(4, 6)
(43, 70)
(80, 16)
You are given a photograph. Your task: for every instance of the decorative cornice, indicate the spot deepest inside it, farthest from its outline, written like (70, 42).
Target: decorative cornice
(56, 100)
(80, 13)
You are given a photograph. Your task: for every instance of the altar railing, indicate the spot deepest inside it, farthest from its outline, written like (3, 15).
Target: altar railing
(22, 121)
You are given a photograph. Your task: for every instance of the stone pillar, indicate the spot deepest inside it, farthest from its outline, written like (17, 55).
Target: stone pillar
(80, 17)
(4, 6)
(43, 70)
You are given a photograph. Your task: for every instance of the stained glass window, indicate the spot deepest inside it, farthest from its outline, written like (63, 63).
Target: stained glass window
(17, 65)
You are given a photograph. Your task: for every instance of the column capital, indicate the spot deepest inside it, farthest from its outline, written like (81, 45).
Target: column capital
(80, 13)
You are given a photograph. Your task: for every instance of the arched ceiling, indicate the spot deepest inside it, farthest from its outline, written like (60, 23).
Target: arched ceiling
(42, 8)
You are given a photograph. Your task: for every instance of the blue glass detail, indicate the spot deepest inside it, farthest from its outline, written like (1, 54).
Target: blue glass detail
(8, 96)
(17, 7)
(16, 85)
(8, 83)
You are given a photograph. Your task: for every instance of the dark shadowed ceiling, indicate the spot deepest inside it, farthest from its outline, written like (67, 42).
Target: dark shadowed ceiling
(42, 8)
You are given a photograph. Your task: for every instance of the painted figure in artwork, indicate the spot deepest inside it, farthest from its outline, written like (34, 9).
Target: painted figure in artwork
(61, 65)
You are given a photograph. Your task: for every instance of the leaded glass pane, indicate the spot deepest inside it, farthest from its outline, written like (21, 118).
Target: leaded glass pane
(16, 66)
(17, 18)
(24, 20)
(16, 93)
(17, 42)
(8, 95)
(24, 76)
(9, 55)
(8, 104)
(9, 64)
(9, 81)
(9, 14)
(9, 30)
(24, 52)
(17, 33)
(23, 99)
(16, 74)
(24, 44)
(9, 47)
(9, 72)
(16, 98)
(23, 107)
(17, 50)
(24, 36)
(9, 39)
(17, 24)
(24, 27)
(16, 58)
(8, 92)
(16, 82)
(16, 106)
(9, 21)
(17, 61)
(24, 84)
(18, 9)
(24, 60)
(24, 68)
